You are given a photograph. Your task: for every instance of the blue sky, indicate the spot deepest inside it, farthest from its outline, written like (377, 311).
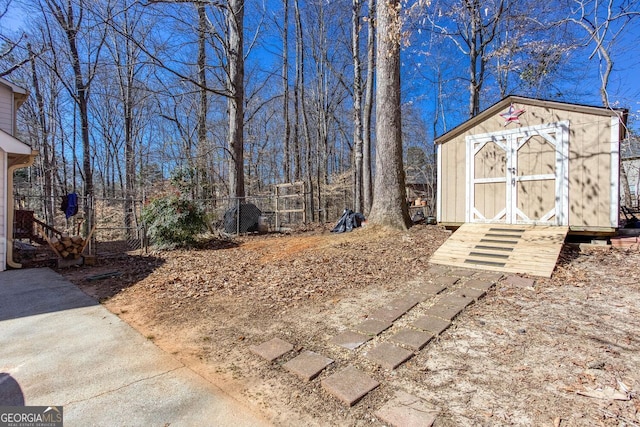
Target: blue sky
(624, 86)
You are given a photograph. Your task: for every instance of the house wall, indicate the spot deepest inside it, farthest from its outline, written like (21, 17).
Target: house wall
(3, 210)
(6, 109)
(591, 191)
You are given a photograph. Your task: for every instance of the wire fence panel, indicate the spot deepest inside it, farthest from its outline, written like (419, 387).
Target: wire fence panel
(117, 226)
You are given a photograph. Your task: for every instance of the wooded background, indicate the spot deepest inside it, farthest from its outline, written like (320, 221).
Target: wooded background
(228, 98)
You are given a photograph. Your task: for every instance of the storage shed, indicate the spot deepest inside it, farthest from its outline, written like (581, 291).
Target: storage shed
(14, 154)
(533, 162)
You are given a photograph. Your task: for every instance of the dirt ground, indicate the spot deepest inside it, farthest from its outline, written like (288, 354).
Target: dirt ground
(519, 356)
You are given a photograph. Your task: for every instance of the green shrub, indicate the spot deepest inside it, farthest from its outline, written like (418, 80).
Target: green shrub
(173, 222)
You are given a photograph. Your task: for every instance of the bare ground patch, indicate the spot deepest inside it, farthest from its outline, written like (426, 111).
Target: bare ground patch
(516, 357)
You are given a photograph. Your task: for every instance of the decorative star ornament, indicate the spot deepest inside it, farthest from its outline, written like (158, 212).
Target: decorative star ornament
(512, 115)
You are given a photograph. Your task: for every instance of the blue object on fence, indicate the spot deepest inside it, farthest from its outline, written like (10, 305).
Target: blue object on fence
(69, 205)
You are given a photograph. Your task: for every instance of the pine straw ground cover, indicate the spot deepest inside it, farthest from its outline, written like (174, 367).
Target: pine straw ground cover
(519, 356)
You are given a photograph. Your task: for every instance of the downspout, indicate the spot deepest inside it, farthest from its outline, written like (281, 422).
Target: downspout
(10, 262)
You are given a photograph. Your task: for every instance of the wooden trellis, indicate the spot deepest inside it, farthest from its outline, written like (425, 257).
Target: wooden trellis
(290, 198)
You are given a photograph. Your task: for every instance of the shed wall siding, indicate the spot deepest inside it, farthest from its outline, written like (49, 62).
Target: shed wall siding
(6, 109)
(453, 182)
(590, 171)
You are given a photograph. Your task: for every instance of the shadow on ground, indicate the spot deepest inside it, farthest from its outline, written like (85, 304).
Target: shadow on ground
(110, 276)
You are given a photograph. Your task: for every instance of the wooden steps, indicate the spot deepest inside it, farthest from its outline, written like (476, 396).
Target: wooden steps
(527, 249)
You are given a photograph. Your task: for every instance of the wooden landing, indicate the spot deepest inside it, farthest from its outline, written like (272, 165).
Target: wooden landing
(527, 249)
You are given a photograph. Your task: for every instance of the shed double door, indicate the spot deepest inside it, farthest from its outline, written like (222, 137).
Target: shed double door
(519, 176)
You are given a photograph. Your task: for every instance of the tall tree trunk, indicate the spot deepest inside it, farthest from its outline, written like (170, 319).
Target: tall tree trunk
(285, 90)
(474, 87)
(70, 21)
(43, 139)
(235, 24)
(127, 74)
(203, 107)
(301, 114)
(357, 102)
(389, 204)
(300, 85)
(323, 119)
(367, 184)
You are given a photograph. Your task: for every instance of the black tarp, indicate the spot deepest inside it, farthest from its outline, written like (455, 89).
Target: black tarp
(348, 221)
(249, 217)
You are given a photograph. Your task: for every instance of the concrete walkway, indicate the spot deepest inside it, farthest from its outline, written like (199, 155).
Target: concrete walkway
(58, 347)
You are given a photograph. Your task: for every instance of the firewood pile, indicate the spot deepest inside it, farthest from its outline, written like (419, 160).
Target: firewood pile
(68, 247)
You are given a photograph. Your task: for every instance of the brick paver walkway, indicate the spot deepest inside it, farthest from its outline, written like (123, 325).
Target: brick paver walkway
(440, 299)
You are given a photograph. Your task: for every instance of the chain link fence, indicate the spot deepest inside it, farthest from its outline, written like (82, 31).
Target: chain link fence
(111, 225)
(118, 227)
(283, 210)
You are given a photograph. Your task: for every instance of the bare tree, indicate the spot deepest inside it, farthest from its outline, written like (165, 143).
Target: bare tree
(12, 56)
(70, 17)
(367, 184)
(389, 205)
(235, 87)
(604, 23)
(357, 106)
(300, 111)
(472, 26)
(132, 91)
(43, 137)
(285, 92)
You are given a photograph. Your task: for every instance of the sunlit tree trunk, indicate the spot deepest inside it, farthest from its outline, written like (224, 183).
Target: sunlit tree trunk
(235, 26)
(285, 90)
(367, 182)
(389, 206)
(357, 102)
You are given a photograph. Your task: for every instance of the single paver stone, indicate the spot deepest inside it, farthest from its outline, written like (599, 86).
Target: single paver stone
(387, 314)
(421, 296)
(406, 410)
(443, 311)
(484, 285)
(455, 301)
(308, 365)
(432, 324)
(429, 289)
(272, 349)
(349, 385)
(388, 356)
(349, 339)
(436, 269)
(405, 303)
(488, 276)
(372, 326)
(412, 338)
(445, 280)
(521, 282)
(469, 293)
(462, 272)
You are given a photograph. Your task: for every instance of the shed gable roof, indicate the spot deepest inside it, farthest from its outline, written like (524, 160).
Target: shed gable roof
(521, 100)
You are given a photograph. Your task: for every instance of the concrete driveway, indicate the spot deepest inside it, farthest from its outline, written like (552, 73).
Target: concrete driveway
(59, 347)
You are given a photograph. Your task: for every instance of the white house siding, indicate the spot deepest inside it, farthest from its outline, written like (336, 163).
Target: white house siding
(6, 109)
(3, 210)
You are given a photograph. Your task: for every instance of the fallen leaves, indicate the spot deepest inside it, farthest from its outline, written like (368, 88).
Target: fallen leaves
(531, 351)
